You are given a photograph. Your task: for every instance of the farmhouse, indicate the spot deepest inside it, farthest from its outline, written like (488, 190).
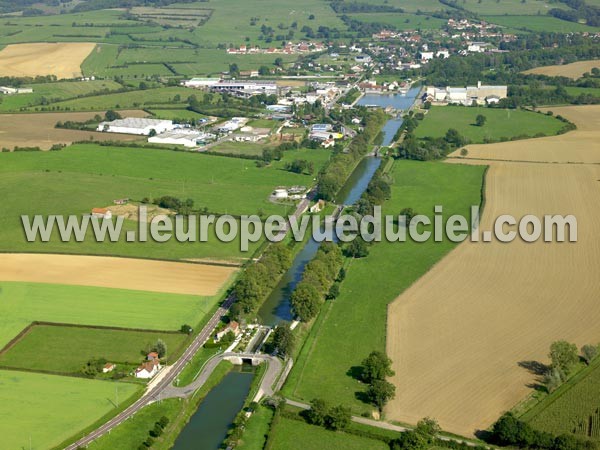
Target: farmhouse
(102, 213)
(148, 369)
(465, 96)
(136, 125)
(108, 367)
(187, 138)
(232, 326)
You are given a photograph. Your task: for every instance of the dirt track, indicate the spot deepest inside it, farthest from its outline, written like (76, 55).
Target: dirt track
(459, 334)
(122, 273)
(574, 70)
(28, 60)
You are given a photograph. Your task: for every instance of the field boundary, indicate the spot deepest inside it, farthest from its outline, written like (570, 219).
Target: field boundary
(148, 258)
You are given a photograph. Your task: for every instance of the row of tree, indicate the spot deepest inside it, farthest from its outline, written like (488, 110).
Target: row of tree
(317, 282)
(260, 278)
(563, 356)
(334, 175)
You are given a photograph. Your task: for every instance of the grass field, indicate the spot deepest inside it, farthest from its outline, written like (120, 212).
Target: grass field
(54, 91)
(344, 338)
(501, 123)
(574, 70)
(493, 7)
(29, 60)
(44, 410)
(292, 434)
(131, 99)
(573, 408)
(23, 303)
(404, 21)
(516, 305)
(574, 90)
(257, 429)
(42, 348)
(538, 23)
(81, 177)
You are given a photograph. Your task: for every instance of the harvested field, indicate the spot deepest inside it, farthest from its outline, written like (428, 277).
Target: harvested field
(122, 273)
(29, 60)
(574, 70)
(37, 130)
(463, 335)
(578, 146)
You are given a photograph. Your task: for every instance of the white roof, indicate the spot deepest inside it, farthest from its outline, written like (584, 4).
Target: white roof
(138, 122)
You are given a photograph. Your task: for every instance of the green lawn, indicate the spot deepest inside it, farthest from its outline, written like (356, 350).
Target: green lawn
(40, 411)
(573, 90)
(500, 123)
(23, 303)
(494, 7)
(194, 367)
(257, 429)
(572, 408)
(43, 348)
(290, 434)
(81, 177)
(341, 337)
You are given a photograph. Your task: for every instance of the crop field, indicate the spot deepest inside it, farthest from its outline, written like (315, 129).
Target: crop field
(501, 123)
(517, 307)
(28, 60)
(17, 130)
(44, 410)
(23, 303)
(292, 434)
(146, 275)
(539, 23)
(324, 368)
(82, 177)
(573, 408)
(42, 347)
(402, 21)
(54, 91)
(578, 146)
(574, 70)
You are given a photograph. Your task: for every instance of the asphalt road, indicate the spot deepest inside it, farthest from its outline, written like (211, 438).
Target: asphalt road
(156, 392)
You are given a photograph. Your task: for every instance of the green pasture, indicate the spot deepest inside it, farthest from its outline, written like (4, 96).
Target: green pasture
(538, 23)
(292, 434)
(42, 348)
(500, 123)
(85, 176)
(341, 338)
(23, 303)
(402, 21)
(40, 411)
(50, 92)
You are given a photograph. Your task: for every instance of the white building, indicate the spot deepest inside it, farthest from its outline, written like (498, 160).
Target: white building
(477, 47)
(480, 94)
(148, 369)
(201, 82)
(245, 88)
(187, 138)
(10, 91)
(231, 125)
(426, 56)
(136, 125)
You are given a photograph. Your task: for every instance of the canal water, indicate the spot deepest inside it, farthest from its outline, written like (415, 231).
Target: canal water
(396, 101)
(207, 429)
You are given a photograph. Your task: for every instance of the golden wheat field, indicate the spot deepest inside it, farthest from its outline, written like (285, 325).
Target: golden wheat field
(461, 337)
(573, 70)
(578, 146)
(38, 130)
(121, 273)
(29, 60)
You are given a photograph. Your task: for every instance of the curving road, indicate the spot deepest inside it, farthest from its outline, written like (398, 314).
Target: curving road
(156, 392)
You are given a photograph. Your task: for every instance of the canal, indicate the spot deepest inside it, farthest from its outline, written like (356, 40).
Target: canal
(208, 426)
